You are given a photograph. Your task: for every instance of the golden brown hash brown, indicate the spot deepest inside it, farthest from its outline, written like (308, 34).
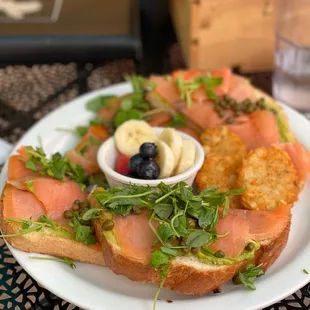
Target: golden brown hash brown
(221, 171)
(270, 179)
(222, 141)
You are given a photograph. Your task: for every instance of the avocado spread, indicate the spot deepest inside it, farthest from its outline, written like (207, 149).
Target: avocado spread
(207, 257)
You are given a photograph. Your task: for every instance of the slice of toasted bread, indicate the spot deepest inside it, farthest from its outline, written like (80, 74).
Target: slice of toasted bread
(187, 274)
(47, 241)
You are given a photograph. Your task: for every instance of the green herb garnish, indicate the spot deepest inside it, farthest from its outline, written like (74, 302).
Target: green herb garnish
(124, 116)
(178, 120)
(81, 131)
(29, 226)
(172, 207)
(248, 276)
(186, 88)
(133, 105)
(94, 140)
(64, 260)
(96, 104)
(29, 184)
(209, 83)
(305, 271)
(57, 166)
(81, 224)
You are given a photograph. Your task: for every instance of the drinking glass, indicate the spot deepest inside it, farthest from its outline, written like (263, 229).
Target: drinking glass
(291, 78)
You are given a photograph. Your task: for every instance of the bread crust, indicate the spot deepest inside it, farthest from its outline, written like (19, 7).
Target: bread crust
(187, 275)
(50, 244)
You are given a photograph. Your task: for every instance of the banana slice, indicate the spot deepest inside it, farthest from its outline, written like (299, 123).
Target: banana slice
(130, 135)
(174, 140)
(164, 159)
(187, 158)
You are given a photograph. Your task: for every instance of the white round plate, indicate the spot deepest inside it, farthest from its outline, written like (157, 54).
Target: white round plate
(97, 288)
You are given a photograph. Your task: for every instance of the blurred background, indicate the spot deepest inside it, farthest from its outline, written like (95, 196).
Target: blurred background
(53, 50)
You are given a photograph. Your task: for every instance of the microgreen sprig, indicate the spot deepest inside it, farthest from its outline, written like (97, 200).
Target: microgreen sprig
(64, 260)
(29, 226)
(187, 87)
(57, 166)
(248, 276)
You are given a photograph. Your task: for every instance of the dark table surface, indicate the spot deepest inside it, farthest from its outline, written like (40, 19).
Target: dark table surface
(27, 94)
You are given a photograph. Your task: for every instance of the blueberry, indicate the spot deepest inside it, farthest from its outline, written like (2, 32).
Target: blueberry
(134, 162)
(148, 150)
(148, 170)
(132, 175)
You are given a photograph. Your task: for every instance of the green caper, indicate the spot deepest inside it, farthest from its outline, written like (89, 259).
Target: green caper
(191, 223)
(249, 109)
(229, 120)
(221, 114)
(217, 108)
(84, 204)
(195, 250)
(250, 246)
(261, 103)
(234, 105)
(77, 202)
(236, 280)
(68, 214)
(107, 225)
(185, 250)
(247, 102)
(226, 97)
(75, 207)
(219, 254)
(223, 104)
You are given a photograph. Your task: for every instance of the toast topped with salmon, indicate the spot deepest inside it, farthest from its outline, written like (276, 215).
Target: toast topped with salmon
(42, 207)
(186, 242)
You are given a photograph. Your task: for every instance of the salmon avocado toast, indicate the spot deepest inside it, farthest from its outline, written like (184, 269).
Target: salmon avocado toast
(192, 244)
(233, 226)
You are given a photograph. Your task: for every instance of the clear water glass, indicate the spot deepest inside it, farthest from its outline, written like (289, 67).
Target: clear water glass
(291, 78)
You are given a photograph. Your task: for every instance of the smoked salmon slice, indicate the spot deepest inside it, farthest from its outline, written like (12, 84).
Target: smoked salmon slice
(266, 125)
(16, 165)
(237, 229)
(135, 236)
(265, 225)
(240, 89)
(89, 166)
(85, 153)
(226, 75)
(243, 225)
(167, 89)
(300, 158)
(160, 119)
(21, 204)
(56, 196)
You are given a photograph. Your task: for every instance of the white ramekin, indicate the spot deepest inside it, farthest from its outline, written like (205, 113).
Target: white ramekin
(107, 155)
